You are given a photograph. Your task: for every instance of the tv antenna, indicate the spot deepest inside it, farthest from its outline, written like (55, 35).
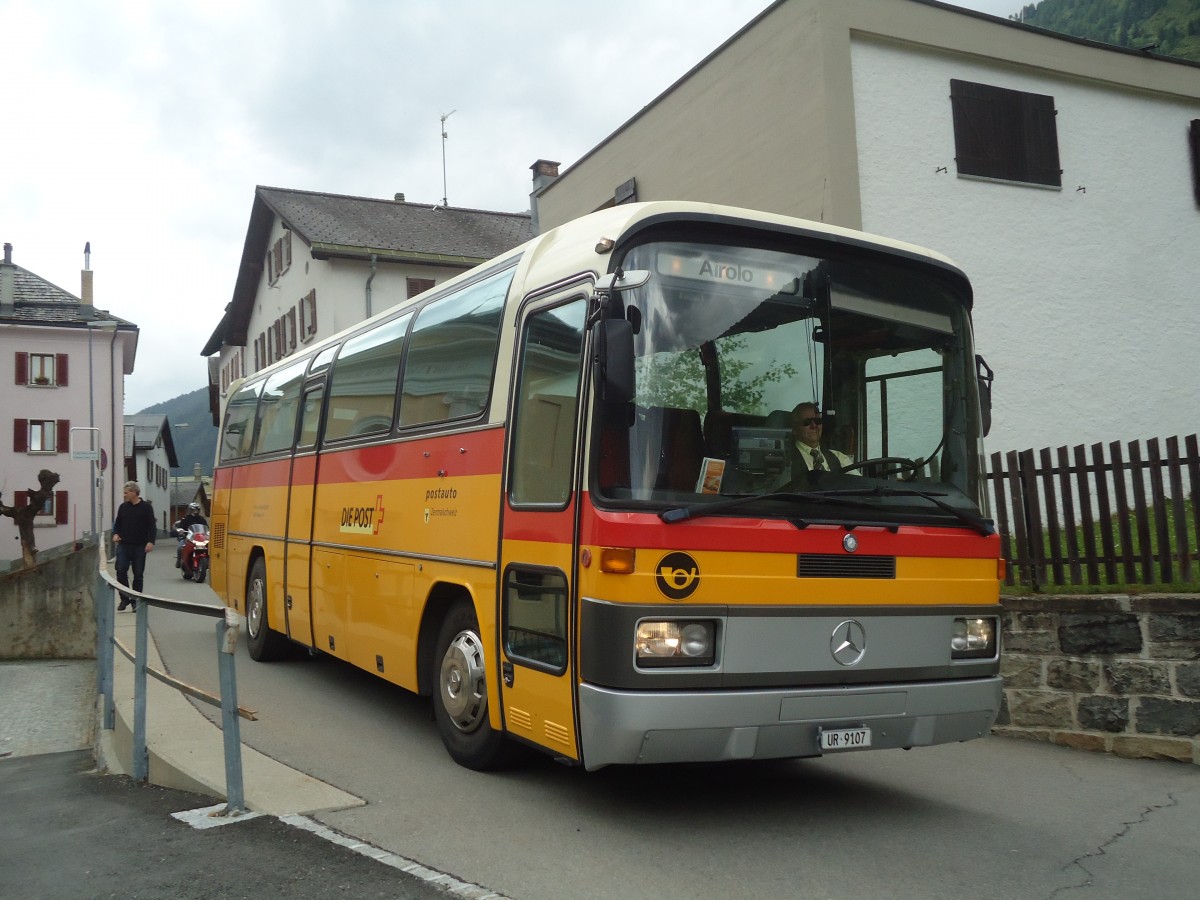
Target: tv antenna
(445, 116)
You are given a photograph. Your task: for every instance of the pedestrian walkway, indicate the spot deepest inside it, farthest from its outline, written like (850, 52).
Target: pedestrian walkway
(70, 833)
(46, 706)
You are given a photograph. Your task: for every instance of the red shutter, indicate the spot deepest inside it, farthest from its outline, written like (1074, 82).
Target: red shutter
(60, 370)
(20, 435)
(22, 368)
(62, 443)
(60, 507)
(20, 499)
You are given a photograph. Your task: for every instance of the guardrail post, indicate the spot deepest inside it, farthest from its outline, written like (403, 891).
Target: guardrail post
(141, 757)
(103, 599)
(227, 636)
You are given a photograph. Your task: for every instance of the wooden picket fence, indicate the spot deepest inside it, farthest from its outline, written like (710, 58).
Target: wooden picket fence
(1070, 517)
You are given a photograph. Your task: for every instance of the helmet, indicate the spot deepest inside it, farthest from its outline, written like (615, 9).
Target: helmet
(193, 507)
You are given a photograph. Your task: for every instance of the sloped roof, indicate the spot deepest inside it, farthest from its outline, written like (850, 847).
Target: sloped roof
(38, 302)
(339, 226)
(414, 230)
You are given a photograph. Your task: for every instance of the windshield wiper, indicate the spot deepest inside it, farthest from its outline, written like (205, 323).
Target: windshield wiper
(671, 516)
(981, 525)
(682, 513)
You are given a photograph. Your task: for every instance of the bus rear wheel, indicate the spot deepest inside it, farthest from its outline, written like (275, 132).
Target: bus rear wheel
(264, 644)
(460, 701)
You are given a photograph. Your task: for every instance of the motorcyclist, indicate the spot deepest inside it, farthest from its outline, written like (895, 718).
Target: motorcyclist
(193, 517)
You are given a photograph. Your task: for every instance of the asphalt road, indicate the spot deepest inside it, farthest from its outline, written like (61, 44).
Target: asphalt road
(70, 833)
(995, 818)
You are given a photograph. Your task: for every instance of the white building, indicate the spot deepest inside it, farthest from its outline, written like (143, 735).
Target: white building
(67, 361)
(1062, 175)
(149, 459)
(314, 264)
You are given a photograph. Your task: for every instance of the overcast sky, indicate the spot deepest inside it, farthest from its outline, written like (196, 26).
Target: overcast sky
(143, 127)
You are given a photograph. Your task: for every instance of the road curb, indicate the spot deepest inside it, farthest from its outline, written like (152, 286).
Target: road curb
(186, 750)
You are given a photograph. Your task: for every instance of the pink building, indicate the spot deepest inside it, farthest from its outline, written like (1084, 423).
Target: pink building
(67, 361)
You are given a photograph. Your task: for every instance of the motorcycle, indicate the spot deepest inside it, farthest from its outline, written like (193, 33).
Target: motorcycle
(194, 565)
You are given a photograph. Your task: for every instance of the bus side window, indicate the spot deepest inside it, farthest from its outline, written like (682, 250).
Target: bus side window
(277, 409)
(237, 437)
(362, 388)
(452, 354)
(547, 397)
(310, 418)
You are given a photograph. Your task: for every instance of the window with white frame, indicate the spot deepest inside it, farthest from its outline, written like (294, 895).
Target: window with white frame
(41, 435)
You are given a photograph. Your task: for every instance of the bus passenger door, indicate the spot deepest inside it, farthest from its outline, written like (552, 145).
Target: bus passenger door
(302, 489)
(537, 571)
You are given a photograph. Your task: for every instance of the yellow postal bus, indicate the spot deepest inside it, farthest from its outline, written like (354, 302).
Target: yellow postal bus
(570, 496)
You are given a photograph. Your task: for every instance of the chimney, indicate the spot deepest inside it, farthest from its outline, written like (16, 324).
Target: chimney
(197, 471)
(545, 173)
(85, 277)
(399, 198)
(8, 273)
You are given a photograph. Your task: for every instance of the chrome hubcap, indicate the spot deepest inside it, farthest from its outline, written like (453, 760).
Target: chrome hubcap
(254, 608)
(462, 684)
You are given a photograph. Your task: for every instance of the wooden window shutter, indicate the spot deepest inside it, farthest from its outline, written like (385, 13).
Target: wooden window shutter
(1005, 134)
(22, 368)
(20, 499)
(60, 370)
(61, 507)
(1194, 141)
(418, 286)
(20, 435)
(62, 441)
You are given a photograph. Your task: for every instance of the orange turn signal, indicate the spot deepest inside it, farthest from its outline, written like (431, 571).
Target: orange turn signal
(617, 560)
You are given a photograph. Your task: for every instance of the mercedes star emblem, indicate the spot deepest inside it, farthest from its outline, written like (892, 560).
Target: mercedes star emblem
(849, 642)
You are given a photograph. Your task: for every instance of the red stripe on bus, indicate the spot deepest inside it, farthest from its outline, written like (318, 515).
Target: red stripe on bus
(462, 454)
(545, 527)
(636, 529)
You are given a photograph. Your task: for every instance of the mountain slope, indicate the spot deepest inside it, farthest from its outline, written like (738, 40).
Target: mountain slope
(1172, 25)
(197, 443)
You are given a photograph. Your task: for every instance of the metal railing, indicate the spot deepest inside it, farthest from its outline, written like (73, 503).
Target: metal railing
(228, 626)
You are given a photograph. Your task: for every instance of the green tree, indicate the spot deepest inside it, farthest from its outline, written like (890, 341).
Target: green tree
(678, 379)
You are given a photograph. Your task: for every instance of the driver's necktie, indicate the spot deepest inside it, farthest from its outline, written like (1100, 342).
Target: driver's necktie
(818, 462)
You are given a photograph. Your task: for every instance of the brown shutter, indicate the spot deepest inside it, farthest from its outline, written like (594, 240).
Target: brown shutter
(60, 507)
(22, 368)
(20, 499)
(60, 370)
(62, 444)
(1194, 141)
(20, 435)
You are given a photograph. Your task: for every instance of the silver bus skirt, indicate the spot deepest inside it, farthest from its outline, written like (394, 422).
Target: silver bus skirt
(624, 727)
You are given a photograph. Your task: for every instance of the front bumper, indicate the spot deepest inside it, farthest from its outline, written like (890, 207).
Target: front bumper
(625, 727)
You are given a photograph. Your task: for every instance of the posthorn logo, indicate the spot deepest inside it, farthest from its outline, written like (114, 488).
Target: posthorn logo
(677, 576)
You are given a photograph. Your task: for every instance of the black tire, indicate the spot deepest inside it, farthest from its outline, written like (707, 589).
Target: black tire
(460, 694)
(201, 571)
(264, 644)
(187, 576)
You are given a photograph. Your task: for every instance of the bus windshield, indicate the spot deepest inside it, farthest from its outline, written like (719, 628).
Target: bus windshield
(748, 359)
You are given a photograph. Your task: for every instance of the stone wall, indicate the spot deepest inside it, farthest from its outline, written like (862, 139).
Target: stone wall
(1119, 674)
(46, 612)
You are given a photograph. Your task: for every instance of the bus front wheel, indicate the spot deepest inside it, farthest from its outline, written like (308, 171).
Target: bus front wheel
(264, 644)
(460, 693)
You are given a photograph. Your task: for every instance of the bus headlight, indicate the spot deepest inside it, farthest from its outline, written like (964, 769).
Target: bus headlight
(675, 643)
(973, 638)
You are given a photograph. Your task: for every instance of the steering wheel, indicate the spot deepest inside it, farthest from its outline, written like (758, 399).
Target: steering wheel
(888, 465)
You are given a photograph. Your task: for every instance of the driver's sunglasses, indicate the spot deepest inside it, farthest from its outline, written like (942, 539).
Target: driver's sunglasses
(811, 421)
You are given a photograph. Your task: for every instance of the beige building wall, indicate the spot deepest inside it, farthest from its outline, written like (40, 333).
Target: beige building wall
(750, 126)
(767, 121)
